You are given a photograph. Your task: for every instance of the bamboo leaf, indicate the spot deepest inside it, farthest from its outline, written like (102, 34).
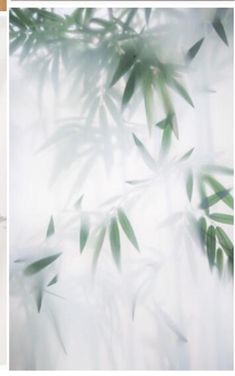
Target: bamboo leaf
(218, 169)
(84, 231)
(218, 187)
(210, 245)
(39, 298)
(202, 228)
(192, 52)
(213, 199)
(189, 185)
(149, 161)
(181, 91)
(114, 238)
(37, 266)
(130, 88)
(98, 246)
(225, 242)
(127, 228)
(78, 203)
(16, 43)
(186, 155)
(219, 28)
(148, 99)
(53, 280)
(147, 13)
(125, 63)
(166, 140)
(222, 218)
(50, 228)
(219, 260)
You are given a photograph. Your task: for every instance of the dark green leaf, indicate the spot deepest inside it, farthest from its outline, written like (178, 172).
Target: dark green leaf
(114, 238)
(219, 28)
(127, 228)
(149, 161)
(84, 232)
(130, 87)
(222, 218)
(225, 242)
(189, 185)
(218, 187)
(98, 246)
(125, 63)
(220, 260)
(202, 228)
(192, 52)
(37, 266)
(53, 280)
(50, 228)
(210, 245)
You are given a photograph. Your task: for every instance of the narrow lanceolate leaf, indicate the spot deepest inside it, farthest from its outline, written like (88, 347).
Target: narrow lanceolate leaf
(148, 100)
(53, 281)
(222, 218)
(114, 238)
(98, 246)
(78, 203)
(220, 260)
(202, 229)
(130, 88)
(163, 123)
(218, 169)
(218, 187)
(166, 140)
(181, 91)
(225, 242)
(219, 28)
(189, 185)
(125, 63)
(127, 228)
(51, 227)
(186, 155)
(37, 266)
(213, 199)
(192, 52)
(39, 298)
(147, 13)
(84, 232)
(210, 245)
(149, 161)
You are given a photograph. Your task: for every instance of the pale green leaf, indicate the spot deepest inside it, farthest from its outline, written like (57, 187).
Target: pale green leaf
(210, 245)
(127, 228)
(149, 161)
(189, 185)
(37, 266)
(125, 63)
(84, 231)
(114, 238)
(98, 246)
(50, 228)
(225, 242)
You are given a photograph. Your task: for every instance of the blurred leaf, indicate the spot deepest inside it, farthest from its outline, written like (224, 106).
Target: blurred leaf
(53, 280)
(210, 245)
(149, 161)
(225, 242)
(98, 245)
(202, 227)
(219, 260)
(174, 84)
(172, 325)
(192, 52)
(78, 203)
(218, 169)
(186, 155)
(16, 43)
(222, 218)
(230, 266)
(127, 228)
(84, 231)
(218, 187)
(163, 123)
(189, 185)
(50, 228)
(23, 17)
(39, 298)
(166, 140)
(114, 238)
(37, 266)
(219, 28)
(125, 63)
(130, 87)
(148, 99)
(147, 13)
(213, 199)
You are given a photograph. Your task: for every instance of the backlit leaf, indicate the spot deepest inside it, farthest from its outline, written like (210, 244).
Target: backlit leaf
(39, 265)
(127, 228)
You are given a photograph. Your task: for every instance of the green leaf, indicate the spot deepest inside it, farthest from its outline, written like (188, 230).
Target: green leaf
(180, 90)
(84, 232)
(218, 169)
(219, 28)
(163, 123)
(50, 228)
(149, 161)
(98, 246)
(148, 99)
(218, 187)
(166, 140)
(127, 228)
(16, 43)
(192, 52)
(125, 63)
(220, 260)
(114, 238)
(213, 199)
(222, 218)
(39, 298)
(147, 13)
(210, 245)
(37, 266)
(130, 88)
(186, 155)
(202, 229)
(189, 185)
(225, 242)
(53, 280)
